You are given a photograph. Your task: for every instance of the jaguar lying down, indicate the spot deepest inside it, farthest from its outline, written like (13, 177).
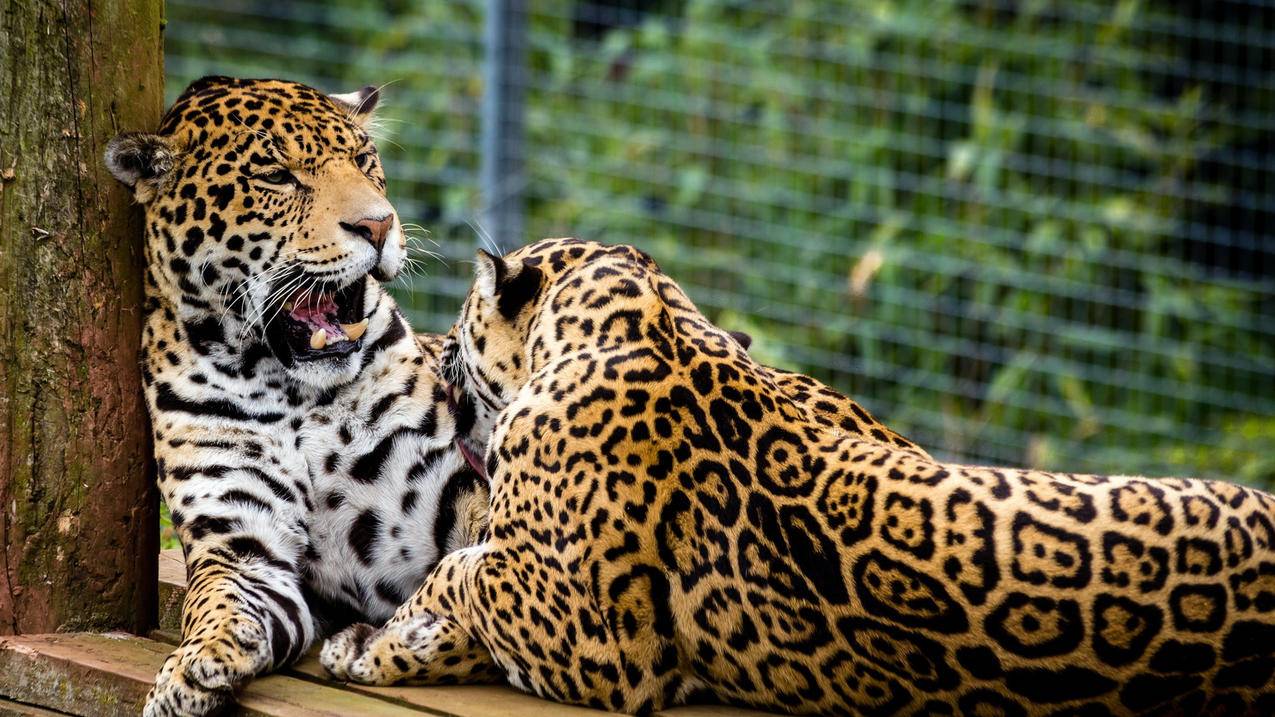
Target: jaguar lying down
(667, 524)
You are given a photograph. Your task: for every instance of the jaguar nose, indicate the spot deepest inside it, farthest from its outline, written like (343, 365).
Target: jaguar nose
(372, 230)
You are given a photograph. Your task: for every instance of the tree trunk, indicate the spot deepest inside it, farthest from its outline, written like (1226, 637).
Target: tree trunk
(77, 506)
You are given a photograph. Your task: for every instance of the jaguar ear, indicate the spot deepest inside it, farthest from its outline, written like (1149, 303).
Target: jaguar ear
(741, 338)
(141, 161)
(490, 272)
(512, 285)
(359, 105)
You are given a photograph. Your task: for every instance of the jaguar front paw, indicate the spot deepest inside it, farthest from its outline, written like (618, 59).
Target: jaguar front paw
(370, 656)
(421, 649)
(199, 677)
(341, 650)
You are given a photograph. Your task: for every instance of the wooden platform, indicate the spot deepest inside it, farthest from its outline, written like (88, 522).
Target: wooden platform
(109, 674)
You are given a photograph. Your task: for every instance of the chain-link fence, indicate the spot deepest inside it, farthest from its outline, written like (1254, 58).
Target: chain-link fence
(1030, 232)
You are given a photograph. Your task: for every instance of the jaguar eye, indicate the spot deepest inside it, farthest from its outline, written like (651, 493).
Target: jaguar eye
(364, 160)
(278, 176)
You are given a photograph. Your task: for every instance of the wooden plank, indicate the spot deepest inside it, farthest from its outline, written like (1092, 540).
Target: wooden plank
(108, 676)
(289, 697)
(458, 700)
(17, 709)
(172, 568)
(488, 700)
(172, 588)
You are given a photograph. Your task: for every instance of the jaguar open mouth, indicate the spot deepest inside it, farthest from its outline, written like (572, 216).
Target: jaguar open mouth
(319, 323)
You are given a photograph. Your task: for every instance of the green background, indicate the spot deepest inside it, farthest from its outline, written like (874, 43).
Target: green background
(1022, 232)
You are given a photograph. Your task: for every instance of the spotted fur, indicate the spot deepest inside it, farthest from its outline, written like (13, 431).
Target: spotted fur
(307, 491)
(669, 524)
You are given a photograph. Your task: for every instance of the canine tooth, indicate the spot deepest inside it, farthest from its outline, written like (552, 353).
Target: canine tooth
(354, 331)
(319, 339)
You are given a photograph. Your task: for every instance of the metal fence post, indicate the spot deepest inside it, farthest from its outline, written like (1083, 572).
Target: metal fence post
(502, 122)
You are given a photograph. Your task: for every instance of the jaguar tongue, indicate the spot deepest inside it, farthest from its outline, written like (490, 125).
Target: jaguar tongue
(319, 315)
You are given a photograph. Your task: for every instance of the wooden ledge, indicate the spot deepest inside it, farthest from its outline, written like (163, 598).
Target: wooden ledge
(109, 675)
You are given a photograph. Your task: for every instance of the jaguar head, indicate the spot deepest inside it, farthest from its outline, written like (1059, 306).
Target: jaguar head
(267, 219)
(539, 303)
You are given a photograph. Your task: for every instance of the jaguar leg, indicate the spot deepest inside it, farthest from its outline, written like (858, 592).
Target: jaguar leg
(244, 612)
(238, 620)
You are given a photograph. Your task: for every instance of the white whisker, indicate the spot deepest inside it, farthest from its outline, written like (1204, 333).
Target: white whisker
(490, 244)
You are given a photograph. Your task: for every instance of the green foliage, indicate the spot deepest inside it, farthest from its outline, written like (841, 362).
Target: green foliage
(167, 536)
(970, 215)
(955, 214)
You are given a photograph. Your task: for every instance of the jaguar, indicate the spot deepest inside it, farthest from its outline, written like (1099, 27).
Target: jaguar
(302, 437)
(669, 523)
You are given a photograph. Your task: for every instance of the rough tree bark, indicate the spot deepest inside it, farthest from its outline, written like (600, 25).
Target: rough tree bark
(77, 509)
